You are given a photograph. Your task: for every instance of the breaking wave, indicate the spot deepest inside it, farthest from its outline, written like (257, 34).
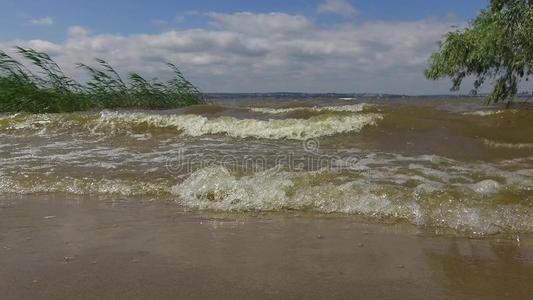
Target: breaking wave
(483, 113)
(344, 108)
(383, 173)
(296, 129)
(80, 186)
(475, 198)
(192, 125)
(486, 113)
(427, 202)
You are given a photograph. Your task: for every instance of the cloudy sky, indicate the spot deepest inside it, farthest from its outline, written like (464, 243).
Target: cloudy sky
(247, 45)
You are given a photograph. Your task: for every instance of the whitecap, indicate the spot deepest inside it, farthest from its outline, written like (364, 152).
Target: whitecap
(194, 125)
(343, 108)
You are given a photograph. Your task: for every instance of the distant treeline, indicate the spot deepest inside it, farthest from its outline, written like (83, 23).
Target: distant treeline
(46, 89)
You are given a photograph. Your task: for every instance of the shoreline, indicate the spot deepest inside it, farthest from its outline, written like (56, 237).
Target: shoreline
(88, 249)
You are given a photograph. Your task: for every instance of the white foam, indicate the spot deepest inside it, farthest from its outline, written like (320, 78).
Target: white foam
(428, 190)
(107, 123)
(486, 187)
(194, 125)
(344, 108)
(80, 186)
(483, 113)
(215, 188)
(25, 121)
(428, 203)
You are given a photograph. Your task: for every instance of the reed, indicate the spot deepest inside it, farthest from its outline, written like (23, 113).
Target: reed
(46, 89)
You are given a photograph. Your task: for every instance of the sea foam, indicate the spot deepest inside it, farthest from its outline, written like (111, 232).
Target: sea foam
(344, 108)
(194, 125)
(463, 207)
(108, 123)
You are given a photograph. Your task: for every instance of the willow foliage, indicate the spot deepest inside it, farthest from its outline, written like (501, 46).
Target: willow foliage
(497, 46)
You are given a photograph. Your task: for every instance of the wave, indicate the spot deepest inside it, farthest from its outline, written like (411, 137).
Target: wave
(344, 108)
(191, 125)
(194, 125)
(42, 122)
(80, 186)
(425, 190)
(427, 203)
(485, 113)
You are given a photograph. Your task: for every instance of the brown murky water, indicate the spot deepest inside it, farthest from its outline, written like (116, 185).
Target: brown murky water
(451, 164)
(74, 247)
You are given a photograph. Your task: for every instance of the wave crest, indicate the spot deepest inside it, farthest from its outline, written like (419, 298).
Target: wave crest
(426, 203)
(194, 125)
(344, 108)
(107, 123)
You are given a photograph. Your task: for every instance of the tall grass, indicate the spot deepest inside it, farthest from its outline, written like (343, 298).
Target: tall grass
(48, 89)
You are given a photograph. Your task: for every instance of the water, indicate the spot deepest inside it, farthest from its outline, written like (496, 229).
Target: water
(451, 164)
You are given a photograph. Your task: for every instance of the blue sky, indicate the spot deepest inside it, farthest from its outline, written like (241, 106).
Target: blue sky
(134, 16)
(265, 45)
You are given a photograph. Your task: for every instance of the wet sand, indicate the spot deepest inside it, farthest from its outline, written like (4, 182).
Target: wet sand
(54, 248)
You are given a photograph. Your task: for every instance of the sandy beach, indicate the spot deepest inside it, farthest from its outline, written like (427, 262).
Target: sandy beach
(75, 248)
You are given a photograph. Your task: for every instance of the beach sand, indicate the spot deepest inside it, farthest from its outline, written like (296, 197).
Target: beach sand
(52, 248)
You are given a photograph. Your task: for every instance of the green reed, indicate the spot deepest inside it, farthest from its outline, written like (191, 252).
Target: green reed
(47, 89)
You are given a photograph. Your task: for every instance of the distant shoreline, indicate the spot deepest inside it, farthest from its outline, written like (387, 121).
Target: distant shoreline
(282, 95)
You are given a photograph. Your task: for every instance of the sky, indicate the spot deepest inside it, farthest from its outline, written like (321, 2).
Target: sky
(379, 46)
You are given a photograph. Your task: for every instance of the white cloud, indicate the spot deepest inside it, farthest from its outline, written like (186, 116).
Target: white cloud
(272, 23)
(75, 31)
(245, 52)
(42, 21)
(340, 7)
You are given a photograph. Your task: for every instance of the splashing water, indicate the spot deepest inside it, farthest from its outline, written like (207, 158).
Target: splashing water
(471, 171)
